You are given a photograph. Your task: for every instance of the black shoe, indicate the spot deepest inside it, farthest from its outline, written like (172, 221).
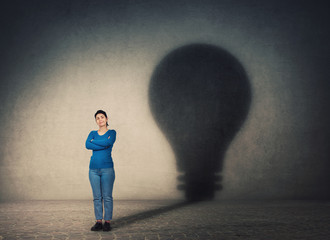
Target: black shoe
(97, 227)
(106, 227)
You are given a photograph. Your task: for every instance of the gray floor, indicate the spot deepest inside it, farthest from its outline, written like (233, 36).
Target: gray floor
(168, 220)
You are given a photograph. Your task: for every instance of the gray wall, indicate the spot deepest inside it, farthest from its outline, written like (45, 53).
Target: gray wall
(63, 60)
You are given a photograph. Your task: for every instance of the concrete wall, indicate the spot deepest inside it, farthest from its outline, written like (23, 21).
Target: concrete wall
(63, 60)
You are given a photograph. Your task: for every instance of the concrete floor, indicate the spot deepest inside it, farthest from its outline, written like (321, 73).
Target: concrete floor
(168, 220)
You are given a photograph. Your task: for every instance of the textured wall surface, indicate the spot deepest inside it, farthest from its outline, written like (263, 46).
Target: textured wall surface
(63, 60)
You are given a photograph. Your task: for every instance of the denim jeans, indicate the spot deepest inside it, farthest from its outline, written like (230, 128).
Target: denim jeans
(102, 180)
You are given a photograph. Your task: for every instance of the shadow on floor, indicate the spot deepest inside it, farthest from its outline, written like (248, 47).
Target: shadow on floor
(148, 214)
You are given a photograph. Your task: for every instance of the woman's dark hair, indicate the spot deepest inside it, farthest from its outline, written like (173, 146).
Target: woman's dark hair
(102, 112)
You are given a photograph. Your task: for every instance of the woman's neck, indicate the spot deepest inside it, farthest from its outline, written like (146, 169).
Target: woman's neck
(103, 129)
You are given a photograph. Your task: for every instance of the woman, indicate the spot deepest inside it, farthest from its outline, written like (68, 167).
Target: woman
(101, 171)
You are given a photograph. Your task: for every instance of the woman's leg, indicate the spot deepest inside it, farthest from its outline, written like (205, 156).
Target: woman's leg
(95, 180)
(107, 180)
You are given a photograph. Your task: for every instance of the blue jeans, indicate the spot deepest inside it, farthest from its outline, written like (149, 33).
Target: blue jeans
(102, 180)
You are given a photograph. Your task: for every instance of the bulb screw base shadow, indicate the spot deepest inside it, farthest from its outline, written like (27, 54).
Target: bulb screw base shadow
(199, 187)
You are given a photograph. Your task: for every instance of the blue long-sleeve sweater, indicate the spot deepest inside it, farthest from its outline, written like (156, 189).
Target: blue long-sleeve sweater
(102, 148)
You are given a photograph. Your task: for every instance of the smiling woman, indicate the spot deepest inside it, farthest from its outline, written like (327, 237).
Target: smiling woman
(101, 171)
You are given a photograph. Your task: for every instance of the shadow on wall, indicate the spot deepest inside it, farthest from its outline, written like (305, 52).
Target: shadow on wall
(199, 95)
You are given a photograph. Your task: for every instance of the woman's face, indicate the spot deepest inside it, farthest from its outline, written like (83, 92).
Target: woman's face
(101, 120)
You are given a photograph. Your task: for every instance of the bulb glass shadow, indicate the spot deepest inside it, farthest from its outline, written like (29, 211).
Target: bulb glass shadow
(199, 95)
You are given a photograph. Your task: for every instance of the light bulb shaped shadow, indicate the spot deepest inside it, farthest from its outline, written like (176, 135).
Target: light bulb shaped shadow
(199, 95)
